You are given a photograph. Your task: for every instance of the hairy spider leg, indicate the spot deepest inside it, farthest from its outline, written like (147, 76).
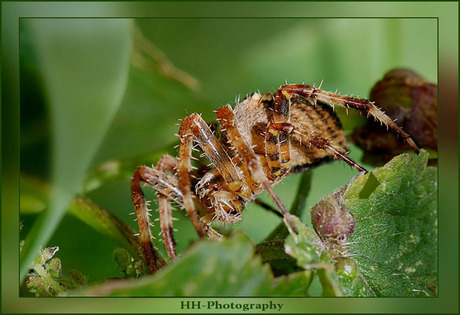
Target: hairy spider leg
(362, 105)
(167, 163)
(195, 129)
(226, 117)
(318, 142)
(147, 175)
(277, 143)
(205, 223)
(166, 188)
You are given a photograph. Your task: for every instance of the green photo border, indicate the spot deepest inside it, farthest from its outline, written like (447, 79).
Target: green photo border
(445, 12)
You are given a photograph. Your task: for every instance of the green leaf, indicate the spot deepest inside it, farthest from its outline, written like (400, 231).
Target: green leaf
(129, 266)
(395, 237)
(272, 252)
(207, 269)
(294, 284)
(45, 275)
(349, 280)
(84, 65)
(392, 250)
(304, 246)
(45, 271)
(211, 268)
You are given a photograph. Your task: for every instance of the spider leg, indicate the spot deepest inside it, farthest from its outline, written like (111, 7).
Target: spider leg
(226, 117)
(166, 188)
(153, 260)
(318, 142)
(205, 223)
(167, 163)
(324, 144)
(362, 105)
(195, 129)
(277, 144)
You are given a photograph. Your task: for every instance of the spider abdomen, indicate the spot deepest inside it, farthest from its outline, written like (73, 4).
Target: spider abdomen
(314, 119)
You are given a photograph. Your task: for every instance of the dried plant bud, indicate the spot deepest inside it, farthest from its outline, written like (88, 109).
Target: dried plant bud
(331, 220)
(410, 100)
(333, 223)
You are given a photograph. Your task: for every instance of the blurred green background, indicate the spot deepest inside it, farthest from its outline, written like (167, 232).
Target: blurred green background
(87, 97)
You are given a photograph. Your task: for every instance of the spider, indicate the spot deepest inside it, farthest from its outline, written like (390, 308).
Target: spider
(263, 139)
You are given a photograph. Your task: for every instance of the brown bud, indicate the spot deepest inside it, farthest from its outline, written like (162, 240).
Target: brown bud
(410, 100)
(333, 223)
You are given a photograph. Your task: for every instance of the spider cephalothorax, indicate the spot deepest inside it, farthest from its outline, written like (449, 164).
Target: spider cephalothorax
(263, 139)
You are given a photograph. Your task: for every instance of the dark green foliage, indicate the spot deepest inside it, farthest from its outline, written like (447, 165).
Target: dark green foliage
(212, 268)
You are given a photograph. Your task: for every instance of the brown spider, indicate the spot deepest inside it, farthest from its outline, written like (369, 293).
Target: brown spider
(264, 138)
